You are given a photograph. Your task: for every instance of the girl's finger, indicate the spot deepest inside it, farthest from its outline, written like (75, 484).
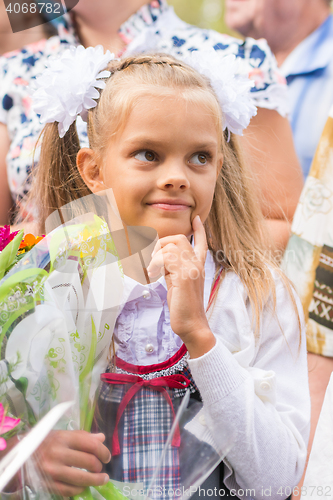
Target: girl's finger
(200, 242)
(80, 477)
(82, 460)
(157, 264)
(156, 248)
(180, 240)
(88, 443)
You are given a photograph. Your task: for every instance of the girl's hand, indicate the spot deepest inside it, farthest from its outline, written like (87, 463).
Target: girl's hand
(184, 270)
(62, 457)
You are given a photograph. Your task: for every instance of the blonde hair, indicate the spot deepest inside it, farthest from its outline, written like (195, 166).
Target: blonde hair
(235, 228)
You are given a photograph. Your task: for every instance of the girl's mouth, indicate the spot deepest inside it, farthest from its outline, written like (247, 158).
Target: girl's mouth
(172, 205)
(168, 206)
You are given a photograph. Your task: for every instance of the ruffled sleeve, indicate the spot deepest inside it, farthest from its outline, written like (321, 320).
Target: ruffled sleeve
(255, 389)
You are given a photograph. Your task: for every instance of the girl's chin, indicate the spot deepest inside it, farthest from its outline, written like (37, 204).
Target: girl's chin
(166, 229)
(163, 233)
(172, 228)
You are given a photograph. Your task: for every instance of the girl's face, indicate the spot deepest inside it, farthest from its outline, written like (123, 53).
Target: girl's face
(163, 165)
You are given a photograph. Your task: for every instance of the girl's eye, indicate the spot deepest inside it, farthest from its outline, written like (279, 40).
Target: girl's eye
(145, 156)
(199, 159)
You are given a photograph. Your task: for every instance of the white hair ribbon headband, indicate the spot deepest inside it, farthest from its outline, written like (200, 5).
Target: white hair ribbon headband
(231, 88)
(68, 87)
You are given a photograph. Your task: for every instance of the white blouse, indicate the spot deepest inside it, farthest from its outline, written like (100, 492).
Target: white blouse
(254, 386)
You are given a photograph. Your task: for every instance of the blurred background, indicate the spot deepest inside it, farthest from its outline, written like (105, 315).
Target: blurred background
(203, 13)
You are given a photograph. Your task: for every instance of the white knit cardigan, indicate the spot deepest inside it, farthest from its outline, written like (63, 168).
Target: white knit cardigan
(255, 388)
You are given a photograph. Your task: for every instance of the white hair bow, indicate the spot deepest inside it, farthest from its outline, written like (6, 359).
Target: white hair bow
(68, 87)
(230, 86)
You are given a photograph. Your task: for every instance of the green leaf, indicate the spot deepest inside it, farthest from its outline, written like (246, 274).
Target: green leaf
(110, 492)
(9, 253)
(87, 412)
(85, 495)
(22, 385)
(107, 491)
(16, 260)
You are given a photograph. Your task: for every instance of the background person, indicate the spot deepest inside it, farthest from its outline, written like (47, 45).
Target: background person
(116, 26)
(27, 32)
(300, 34)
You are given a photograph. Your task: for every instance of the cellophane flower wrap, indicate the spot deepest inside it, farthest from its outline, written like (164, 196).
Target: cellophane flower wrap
(58, 308)
(55, 326)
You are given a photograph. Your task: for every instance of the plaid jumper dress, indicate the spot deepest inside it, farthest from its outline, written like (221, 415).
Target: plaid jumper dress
(136, 409)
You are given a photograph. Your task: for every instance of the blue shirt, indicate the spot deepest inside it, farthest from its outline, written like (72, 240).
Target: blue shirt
(143, 334)
(309, 73)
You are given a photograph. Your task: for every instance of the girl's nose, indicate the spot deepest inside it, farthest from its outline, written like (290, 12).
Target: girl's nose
(173, 176)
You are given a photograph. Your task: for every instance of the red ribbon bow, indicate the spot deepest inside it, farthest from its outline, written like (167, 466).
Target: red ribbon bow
(159, 384)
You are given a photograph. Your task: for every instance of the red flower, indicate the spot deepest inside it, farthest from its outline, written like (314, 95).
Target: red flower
(6, 236)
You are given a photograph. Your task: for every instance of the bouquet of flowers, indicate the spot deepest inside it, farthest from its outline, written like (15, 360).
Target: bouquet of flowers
(59, 299)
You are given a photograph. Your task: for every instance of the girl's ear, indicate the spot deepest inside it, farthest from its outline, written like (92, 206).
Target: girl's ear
(90, 170)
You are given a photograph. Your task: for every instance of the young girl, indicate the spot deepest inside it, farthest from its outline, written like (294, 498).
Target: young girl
(156, 135)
